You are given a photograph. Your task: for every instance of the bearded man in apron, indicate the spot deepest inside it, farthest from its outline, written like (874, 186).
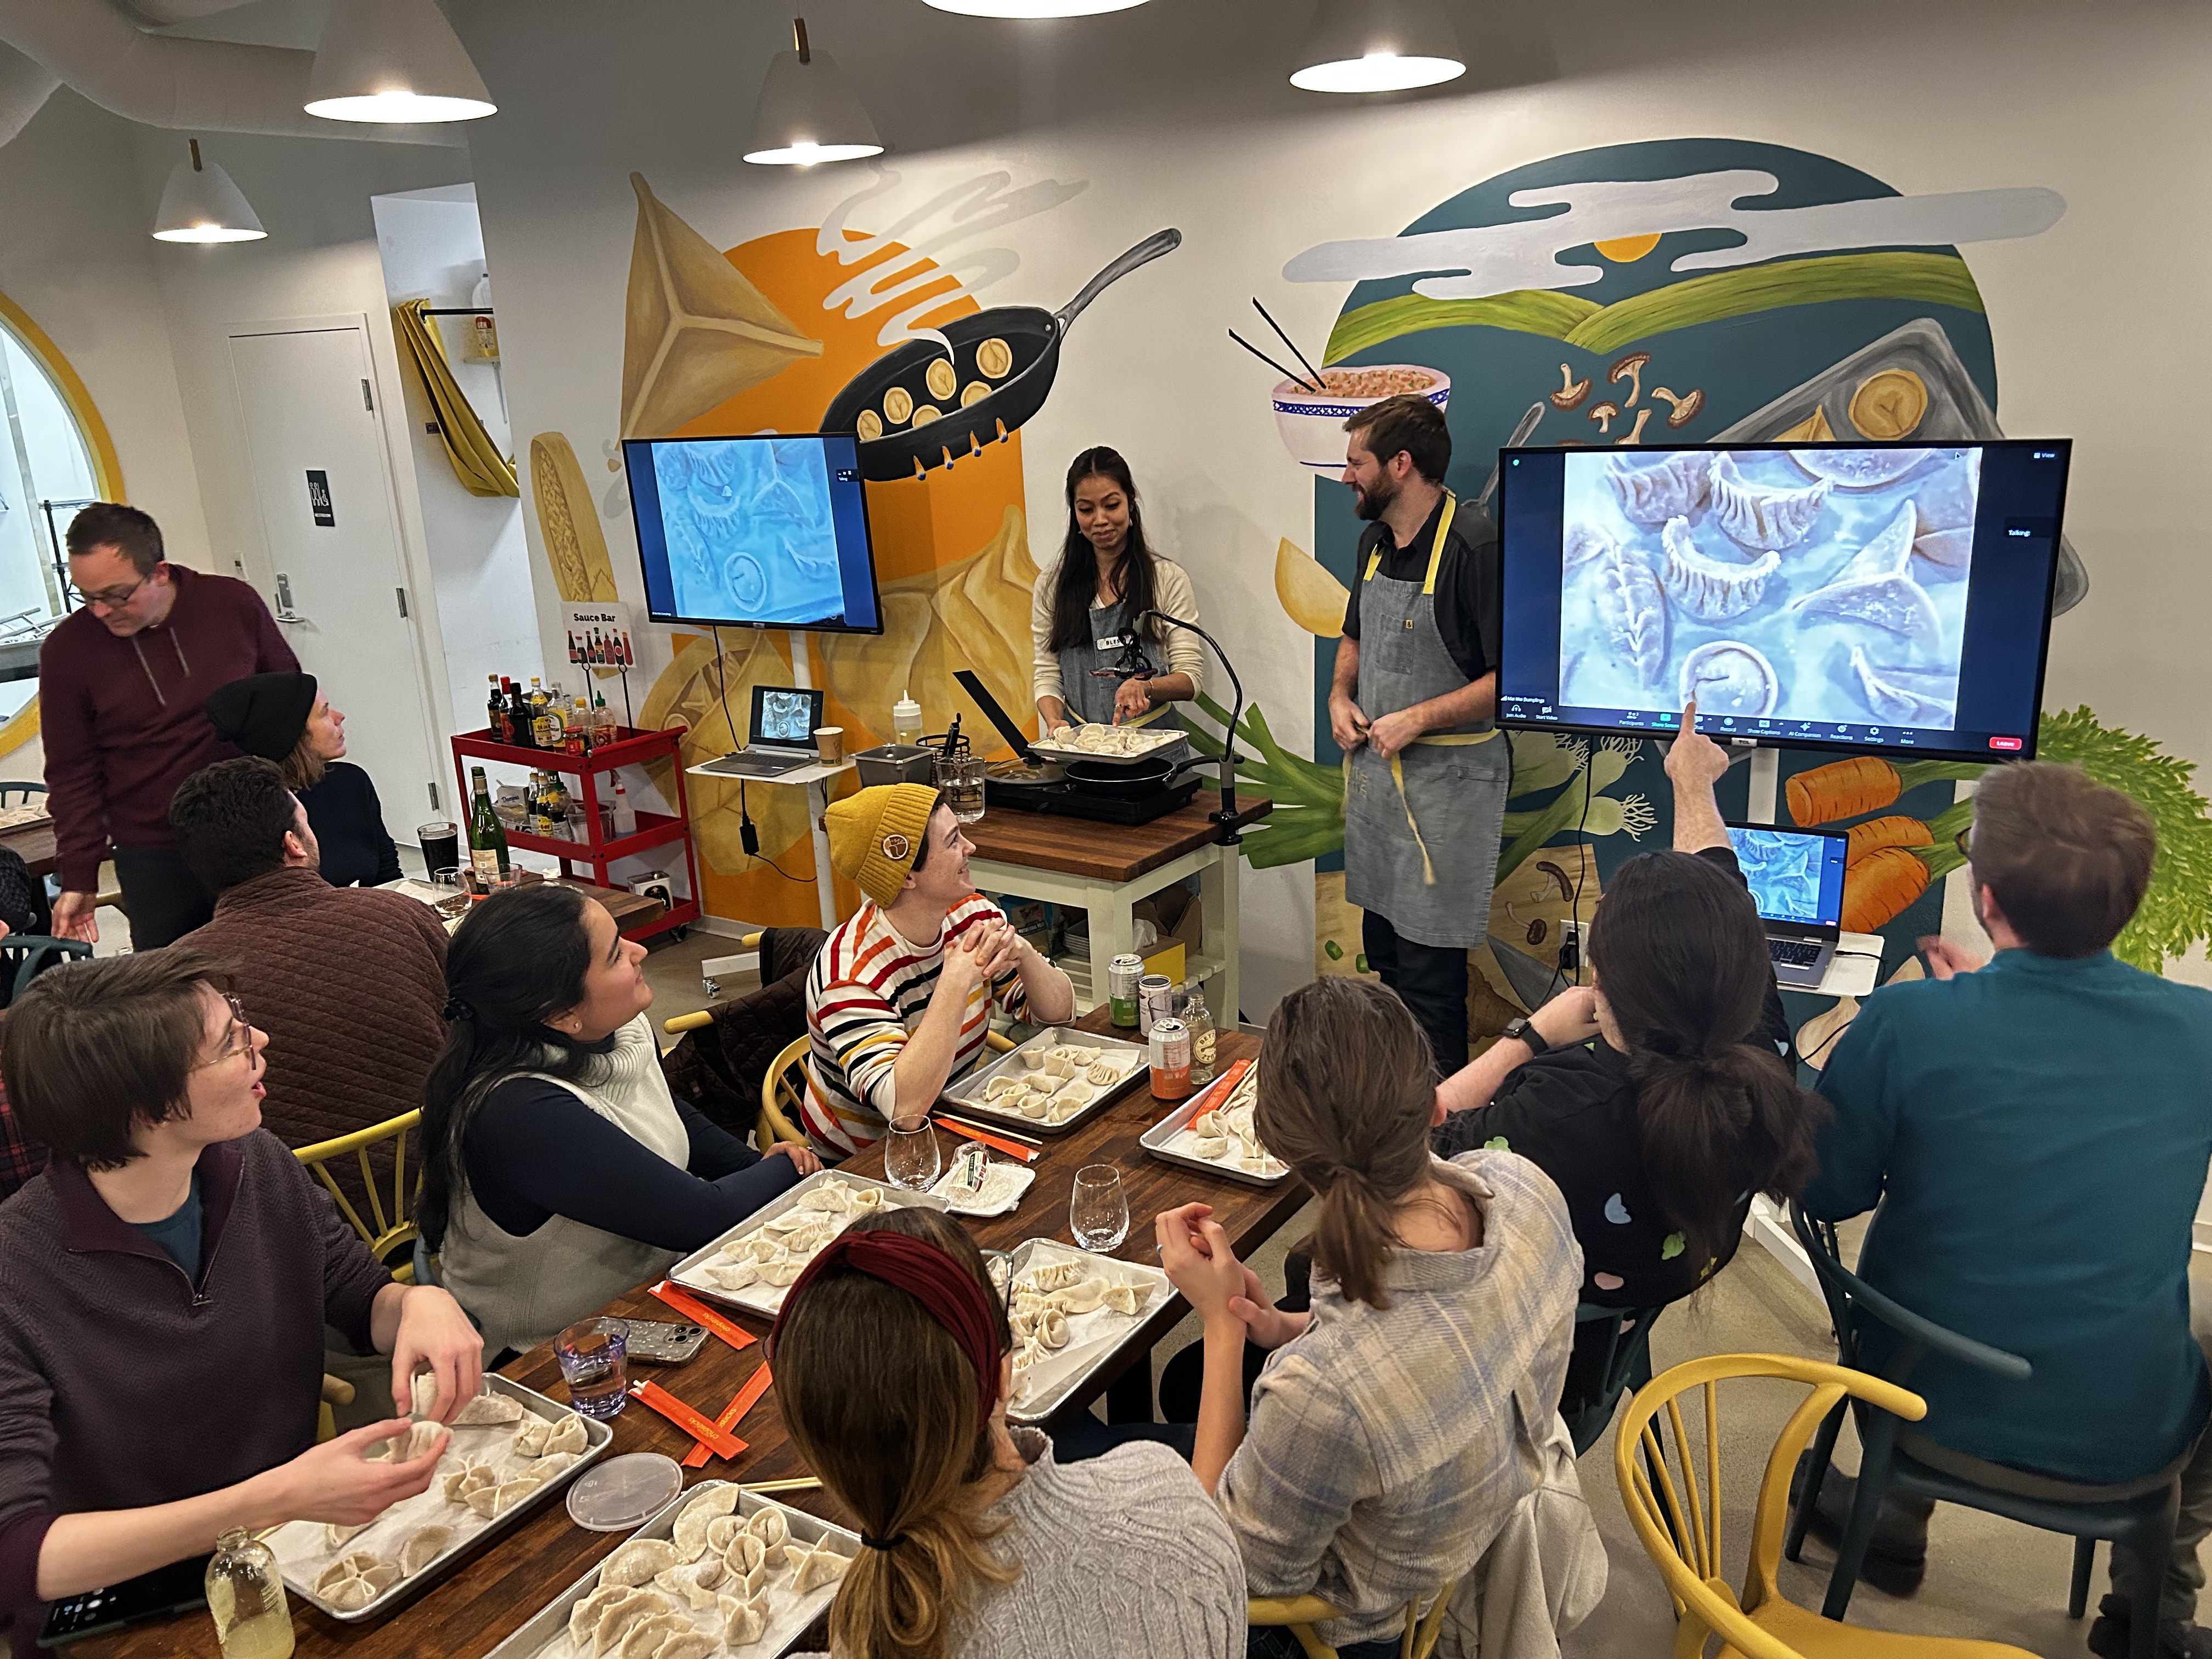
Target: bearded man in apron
(1411, 706)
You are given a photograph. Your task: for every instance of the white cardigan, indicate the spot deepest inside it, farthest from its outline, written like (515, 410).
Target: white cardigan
(1172, 595)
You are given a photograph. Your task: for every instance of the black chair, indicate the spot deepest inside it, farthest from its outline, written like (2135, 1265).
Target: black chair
(18, 795)
(30, 955)
(2137, 1515)
(1627, 1366)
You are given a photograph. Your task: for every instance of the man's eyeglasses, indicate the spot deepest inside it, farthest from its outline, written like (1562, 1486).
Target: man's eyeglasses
(110, 598)
(238, 1041)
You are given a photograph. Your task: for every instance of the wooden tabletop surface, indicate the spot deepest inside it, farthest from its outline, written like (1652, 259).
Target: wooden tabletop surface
(1104, 851)
(478, 1605)
(35, 844)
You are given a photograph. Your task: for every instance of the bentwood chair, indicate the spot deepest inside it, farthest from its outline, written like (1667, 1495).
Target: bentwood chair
(1424, 1621)
(19, 793)
(388, 1229)
(1676, 1513)
(336, 1391)
(1627, 1366)
(30, 955)
(2138, 1515)
(785, 1086)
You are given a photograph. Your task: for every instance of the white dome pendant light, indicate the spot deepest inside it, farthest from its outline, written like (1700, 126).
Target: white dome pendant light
(201, 204)
(394, 60)
(1033, 8)
(1379, 46)
(808, 113)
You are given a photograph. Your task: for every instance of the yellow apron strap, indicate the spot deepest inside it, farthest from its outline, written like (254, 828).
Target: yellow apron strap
(1149, 714)
(1374, 559)
(1436, 550)
(1442, 739)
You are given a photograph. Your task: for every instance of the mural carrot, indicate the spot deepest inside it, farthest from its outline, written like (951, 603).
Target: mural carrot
(1880, 886)
(1864, 783)
(1896, 830)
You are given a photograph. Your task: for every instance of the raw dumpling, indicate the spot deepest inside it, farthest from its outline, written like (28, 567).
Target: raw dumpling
(1122, 1298)
(567, 1435)
(484, 1501)
(1712, 590)
(417, 1442)
(642, 1637)
(617, 1616)
(1082, 1298)
(1075, 1097)
(743, 1623)
(1859, 469)
(484, 1409)
(1756, 516)
(789, 1222)
(829, 1195)
(1032, 1060)
(822, 1566)
(1042, 1082)
(1211, 1146)
(1058, 1111)
(422, 1547)
(529, 1439)
(733, 1275)
(636, 1562)
(746, 1558)
(689, 1539)
(1207, 1124)
(1102, 1073)
(1051, 1329)
(768, 1524)
(336, 1537)
(1875, 588)
(1900, 703)
(1633, 610)
(513, 1493)
(866, 1198)
(551, 1464)
(350, 1595)
(1035, 1105)
(1054, 1274)
(351, 1582)
(682, 1583)
(584, 1617)
(999, 1087)
(1057, 1064)
(686, 1644)
(1651, 494)
(783, 1273)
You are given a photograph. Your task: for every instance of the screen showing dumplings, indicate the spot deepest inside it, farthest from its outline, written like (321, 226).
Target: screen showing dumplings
(725, 1578)
(1061, 1309)
(1049, 1084)
(1821, 585)
(763, 1261)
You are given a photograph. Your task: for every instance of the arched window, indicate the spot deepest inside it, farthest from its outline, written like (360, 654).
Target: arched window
(55, 456)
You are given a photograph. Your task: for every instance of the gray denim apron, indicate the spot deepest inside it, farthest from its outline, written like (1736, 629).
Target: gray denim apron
(1089, 696)
(1420, 829)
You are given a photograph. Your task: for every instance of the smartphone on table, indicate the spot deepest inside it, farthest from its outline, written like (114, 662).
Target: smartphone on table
(658, 1342)
(178, 1588)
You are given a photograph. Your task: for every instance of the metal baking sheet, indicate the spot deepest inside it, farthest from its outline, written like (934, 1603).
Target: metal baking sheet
(968, 1093)
(1156, 740)
(767, 1300)
(1085, 1361)
(302, 1554)
(547, 1630)
(1157, 1138)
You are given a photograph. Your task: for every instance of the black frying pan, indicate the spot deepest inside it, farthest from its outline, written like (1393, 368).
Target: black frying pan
(1138, 783)
(1032, 334)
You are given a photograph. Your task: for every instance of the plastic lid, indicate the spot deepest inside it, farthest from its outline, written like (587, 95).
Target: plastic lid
(906, 706)
(624, 1491)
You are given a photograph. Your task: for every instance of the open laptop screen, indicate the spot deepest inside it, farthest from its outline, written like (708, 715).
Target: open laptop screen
(1796, 876)
(785, 717)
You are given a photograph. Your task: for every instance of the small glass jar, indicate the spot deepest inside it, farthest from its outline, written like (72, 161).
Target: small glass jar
(1192, 1011)
(246, 1594)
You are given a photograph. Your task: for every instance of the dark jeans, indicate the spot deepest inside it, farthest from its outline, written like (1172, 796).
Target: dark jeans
(1087, 1437)
(1276, 1642)
(1429, 979)
(164, 898)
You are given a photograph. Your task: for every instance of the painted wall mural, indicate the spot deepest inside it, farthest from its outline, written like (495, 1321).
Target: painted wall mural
(1691, 291)
(837, 328)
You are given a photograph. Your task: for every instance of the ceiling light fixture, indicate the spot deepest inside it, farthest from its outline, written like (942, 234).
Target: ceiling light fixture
(1379, 46)
(201, 204)
(1033, 8)
(394, 60)
(808, 113)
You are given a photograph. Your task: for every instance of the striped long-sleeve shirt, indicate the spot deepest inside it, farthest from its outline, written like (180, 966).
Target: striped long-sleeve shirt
(868, 991)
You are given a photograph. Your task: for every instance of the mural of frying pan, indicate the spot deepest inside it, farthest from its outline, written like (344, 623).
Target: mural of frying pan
(915, 408)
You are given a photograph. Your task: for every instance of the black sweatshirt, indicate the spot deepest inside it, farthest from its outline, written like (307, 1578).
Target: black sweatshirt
(348, 824)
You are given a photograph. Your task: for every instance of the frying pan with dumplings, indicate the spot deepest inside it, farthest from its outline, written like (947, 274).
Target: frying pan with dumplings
(1000, 371)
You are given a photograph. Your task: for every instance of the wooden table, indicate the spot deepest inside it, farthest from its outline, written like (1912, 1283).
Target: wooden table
(35, 844)
(1106, 869)
(481, 1603)
(628, 909)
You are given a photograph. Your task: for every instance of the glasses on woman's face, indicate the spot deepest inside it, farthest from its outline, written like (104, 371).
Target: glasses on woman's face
(237, 1041)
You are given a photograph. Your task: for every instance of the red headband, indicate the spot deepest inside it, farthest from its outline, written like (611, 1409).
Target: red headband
(949, 1292)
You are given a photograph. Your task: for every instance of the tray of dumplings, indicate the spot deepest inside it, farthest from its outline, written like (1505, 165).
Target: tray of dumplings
(1071, 1312)
(1057, 1080)
(1116, 746)
(722, 1568)
(511, 1449)
(1213, 1131)
(752, 1265)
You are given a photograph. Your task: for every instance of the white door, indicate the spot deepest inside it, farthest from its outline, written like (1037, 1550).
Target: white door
(319, 472)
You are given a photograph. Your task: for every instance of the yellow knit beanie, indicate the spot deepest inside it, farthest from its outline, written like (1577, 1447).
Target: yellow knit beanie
(876, 835)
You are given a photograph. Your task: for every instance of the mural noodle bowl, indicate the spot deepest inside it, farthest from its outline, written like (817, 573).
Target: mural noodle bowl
(1312, 423)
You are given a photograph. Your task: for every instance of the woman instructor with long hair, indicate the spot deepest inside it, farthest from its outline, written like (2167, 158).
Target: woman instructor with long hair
(1099, 658)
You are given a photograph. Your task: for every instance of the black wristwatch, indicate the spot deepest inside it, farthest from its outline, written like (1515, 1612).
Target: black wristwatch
(1525, 1029)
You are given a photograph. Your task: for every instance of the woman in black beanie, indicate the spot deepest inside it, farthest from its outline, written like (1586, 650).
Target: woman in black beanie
(281, 717)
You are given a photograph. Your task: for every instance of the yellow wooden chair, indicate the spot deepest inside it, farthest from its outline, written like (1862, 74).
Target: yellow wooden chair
(1424, 1621)
(392, 1227)
(336, 1391)
(1679, 1520)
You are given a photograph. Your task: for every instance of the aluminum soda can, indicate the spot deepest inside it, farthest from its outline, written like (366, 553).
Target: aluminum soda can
(1155, 1001)
(1122, 976)
(1170, 1057)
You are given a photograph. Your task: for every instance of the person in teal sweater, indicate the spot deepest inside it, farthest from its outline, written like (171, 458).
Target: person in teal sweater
(2036, 1131)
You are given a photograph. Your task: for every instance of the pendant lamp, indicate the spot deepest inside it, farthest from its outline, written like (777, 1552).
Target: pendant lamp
(1033, 8)
(394, 60)
(808, 113)
(201, 204)
(1379, 46)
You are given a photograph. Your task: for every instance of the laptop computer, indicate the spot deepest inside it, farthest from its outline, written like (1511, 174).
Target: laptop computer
(1796, 878)
(783, 726)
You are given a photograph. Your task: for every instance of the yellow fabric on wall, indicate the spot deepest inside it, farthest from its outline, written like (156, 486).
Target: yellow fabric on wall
(476, 461)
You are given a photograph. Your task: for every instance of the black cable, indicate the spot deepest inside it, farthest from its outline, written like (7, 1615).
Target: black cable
(1575, 899)
(751, 837)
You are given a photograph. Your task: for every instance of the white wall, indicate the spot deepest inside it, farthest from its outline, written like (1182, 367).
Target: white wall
(432, 247)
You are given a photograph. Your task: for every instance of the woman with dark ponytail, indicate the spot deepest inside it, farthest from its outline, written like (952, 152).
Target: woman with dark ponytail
(1397, 1424)
(1687, 1103)
(892, 1361)
(558, 1171)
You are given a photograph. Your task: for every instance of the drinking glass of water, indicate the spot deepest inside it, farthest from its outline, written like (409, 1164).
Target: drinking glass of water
(910, 1155)
(594, 1364)
(1098, 1213)
(960, 779)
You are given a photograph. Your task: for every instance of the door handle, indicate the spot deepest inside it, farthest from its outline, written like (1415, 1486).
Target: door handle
(285, 613)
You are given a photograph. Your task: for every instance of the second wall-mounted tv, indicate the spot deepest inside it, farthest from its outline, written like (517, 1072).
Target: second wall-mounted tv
(769, 530)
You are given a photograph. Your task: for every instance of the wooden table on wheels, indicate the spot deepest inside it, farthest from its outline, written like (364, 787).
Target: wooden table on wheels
(477, 1605)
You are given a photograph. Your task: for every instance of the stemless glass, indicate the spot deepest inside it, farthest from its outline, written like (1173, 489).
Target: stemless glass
(594, 1355)
(1098, 1210)
(960, 779)
(910, 1155)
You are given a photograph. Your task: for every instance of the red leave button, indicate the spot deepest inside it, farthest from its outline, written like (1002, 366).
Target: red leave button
(2004, 742)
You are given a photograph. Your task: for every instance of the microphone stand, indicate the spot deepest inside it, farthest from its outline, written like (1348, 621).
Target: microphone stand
(1226, 818)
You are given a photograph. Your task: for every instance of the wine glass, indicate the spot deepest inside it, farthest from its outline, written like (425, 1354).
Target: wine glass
(910, 1155)
(1098, 1210)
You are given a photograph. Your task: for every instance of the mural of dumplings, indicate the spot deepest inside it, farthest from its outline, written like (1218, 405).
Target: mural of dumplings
(696, 331)
(942, 379)
(994, 358)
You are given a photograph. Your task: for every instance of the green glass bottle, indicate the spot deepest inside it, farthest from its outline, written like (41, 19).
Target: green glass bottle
(487, 841)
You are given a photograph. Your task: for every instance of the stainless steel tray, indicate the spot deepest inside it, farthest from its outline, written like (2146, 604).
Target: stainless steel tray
(302, 1554)
(791, 1619)
(767, 1300)
(968, 1093)
(1156, 1140)
(1098, 1352)
(1160, 739)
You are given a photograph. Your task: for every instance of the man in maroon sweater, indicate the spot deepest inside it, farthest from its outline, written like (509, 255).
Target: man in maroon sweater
(123, 691)
(164, 1287)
